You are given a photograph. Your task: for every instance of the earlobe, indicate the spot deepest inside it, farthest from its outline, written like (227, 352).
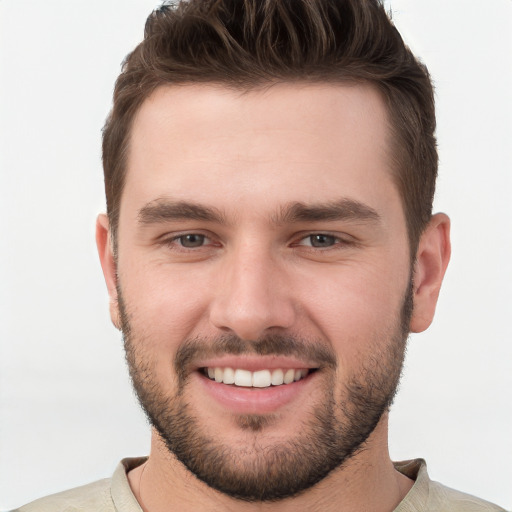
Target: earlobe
(432, 259)
(108, 264)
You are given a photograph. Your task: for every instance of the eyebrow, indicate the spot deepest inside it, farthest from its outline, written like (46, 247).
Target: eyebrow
(167, 210)
(343, 209)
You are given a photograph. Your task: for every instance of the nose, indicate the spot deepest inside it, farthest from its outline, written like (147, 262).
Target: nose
(253, 295)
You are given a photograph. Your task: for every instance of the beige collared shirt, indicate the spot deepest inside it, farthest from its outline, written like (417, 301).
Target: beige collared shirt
(114, 494)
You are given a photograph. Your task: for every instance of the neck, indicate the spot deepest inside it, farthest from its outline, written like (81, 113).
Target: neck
(368, 481)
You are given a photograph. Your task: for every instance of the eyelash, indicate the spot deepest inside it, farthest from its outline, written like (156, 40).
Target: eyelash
(337, 242)
(171, 242)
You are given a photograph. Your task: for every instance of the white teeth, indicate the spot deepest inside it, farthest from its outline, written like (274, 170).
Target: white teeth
(243, 378)
(258, 379)
(218, 375)
(229, 376)
(289, 376)
(277, 377)
(261, 379)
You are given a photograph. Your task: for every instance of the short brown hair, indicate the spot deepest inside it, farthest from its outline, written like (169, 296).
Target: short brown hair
(245, 44)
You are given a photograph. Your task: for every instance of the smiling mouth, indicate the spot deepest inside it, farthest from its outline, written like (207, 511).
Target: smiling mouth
(257, 379)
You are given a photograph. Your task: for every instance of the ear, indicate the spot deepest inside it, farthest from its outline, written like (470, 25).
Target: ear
(432, 259)
(108, 264)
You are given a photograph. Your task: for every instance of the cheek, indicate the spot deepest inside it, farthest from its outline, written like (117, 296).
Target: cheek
(165, 307)
(357, 308)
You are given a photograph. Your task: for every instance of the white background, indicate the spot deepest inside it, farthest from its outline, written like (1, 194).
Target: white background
(67, 413)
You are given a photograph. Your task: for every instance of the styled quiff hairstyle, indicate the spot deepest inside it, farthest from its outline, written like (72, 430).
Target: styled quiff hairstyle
(246, 44)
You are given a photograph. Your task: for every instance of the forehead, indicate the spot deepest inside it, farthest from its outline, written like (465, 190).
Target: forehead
(287, 142)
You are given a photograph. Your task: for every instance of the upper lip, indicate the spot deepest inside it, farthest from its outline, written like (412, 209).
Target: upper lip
(255, 363)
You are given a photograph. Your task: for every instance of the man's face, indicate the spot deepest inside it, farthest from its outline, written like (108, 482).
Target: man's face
(261, 240)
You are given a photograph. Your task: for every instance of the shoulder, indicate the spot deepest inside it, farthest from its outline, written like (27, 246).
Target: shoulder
(457, 501)
(429, 496)
(87, 498)
(108, 495)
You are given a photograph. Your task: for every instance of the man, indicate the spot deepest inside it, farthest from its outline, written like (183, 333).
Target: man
(269, 172)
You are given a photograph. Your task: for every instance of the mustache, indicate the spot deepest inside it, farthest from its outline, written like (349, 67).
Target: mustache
(271, 344)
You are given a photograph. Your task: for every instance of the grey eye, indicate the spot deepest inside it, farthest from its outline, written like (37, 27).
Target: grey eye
(322, 240)
(191, 241)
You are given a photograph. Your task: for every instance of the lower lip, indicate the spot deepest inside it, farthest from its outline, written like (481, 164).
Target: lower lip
(244, 400)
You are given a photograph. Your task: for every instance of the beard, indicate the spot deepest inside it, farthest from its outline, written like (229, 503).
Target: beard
(262, 471)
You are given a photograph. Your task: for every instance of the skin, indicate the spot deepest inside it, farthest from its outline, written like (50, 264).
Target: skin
(250, 156)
